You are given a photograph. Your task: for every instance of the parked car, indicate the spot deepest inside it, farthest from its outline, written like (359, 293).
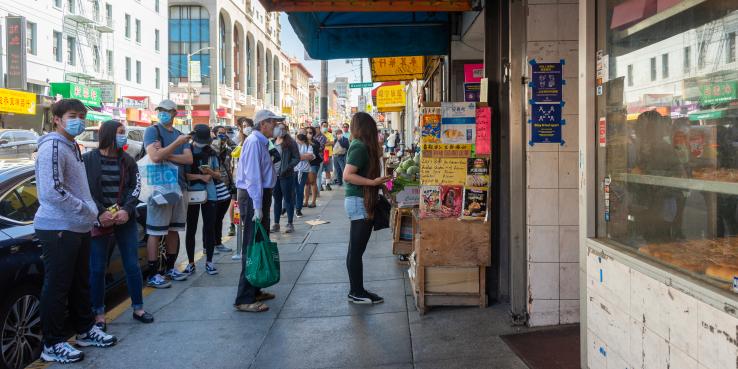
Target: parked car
(17, 143)
(21, 269)
(88, 140)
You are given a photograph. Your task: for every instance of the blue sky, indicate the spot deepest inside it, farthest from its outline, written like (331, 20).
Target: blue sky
(336, 68)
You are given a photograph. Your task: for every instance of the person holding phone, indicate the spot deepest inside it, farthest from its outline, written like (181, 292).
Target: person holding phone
(201, 175)
(363, 179)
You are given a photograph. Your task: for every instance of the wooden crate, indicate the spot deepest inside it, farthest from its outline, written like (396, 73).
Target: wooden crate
(402, 246)
(447, 286)
(453, 242)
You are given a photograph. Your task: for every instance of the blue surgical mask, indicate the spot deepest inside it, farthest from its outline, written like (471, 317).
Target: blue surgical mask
(277, 132)
(222, 137)
(75, 126)
(164, 117)
(121, 140)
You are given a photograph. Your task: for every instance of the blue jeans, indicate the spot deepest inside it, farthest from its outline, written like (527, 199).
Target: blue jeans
(126, 236)
(339, 162)
(284, 189)
(354, 206)
(300, 180)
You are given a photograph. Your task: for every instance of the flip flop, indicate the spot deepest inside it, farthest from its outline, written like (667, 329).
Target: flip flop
(256, 307)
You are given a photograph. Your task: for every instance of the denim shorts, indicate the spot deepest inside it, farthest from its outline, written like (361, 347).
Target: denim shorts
(314, 168)
(354, 207)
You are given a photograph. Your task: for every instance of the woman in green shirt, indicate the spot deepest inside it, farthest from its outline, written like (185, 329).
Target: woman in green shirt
(362, 178)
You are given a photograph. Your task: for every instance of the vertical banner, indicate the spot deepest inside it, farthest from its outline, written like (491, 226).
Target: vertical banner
(458, 122)
(16, 49)
(546, 103)
(194, 71)
(483, 140)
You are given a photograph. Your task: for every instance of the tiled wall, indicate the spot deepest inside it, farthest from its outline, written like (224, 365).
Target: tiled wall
(635, 321)
(552, 170)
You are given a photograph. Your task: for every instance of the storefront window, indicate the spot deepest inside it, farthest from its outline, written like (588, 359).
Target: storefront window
(668, 133)
(189, 31)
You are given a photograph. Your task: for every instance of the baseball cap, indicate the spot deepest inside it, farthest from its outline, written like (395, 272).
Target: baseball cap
(201, 134)
(167, 105)
(263, 115)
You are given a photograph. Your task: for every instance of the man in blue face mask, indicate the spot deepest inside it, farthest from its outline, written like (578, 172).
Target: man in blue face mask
(63, 223)
(165, 143)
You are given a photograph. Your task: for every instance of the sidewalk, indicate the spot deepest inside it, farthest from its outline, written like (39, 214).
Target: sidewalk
(310, 324)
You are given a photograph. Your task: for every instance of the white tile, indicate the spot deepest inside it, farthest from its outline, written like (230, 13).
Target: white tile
(647, 349)
(543, 207)
(543, 52)
(543, 244)
(616, 284)
(568, 207)
(543, 280)
(543, 312)
(569, 170)
(646, 302)
(615, 360)
(568, 311)
(568, 22)
(678, 359)
(717, 330)
(617, 326)
(571, 97)
(596, 351)
(570, 134)
(569, 244)
(543, 169)
(569, 51)
(681, 313)
(541, 24)
(569, 281)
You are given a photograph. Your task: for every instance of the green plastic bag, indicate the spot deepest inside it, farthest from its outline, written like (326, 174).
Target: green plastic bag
(262, 260)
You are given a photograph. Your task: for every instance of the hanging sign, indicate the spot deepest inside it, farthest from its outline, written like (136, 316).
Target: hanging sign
(17, 102)
(483, 141)
(546, 82)
(391, 98)
(398, 68)
(16, 50)
(430, 150)
(447, 171)
(458, 122)
(602, 128)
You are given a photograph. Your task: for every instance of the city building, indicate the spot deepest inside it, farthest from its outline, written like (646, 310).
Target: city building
(300, 90)
(341, 85)
(314, 101)
(237, 65)
(111, 56)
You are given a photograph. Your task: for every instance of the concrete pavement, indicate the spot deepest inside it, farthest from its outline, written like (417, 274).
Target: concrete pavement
(310, 324)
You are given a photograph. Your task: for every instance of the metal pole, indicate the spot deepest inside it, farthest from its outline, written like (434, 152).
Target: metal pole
(361, 77)
(323, 91)
(188, 108)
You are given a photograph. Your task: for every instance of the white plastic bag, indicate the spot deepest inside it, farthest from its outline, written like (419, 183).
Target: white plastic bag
(159, 182)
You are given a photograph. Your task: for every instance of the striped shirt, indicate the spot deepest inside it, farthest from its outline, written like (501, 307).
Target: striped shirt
(110, 180)
(221, 191)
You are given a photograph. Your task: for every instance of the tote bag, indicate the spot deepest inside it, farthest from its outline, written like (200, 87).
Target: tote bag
(262, 260)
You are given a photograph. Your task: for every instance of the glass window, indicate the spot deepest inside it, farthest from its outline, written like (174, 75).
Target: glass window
(189, 30)
(138, 72)
(128, 68)
(156, 40)
(71, 50)
(157, 76)
(668, 169)
(109, 57)
(96, 58)
(57, 4)
(31, 38)
(128, 25)
(156, 5)
(57, 46)
(138, 30)
(21, 203)
(109, 14)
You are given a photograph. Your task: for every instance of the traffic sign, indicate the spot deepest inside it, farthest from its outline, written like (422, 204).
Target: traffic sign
(361, 85)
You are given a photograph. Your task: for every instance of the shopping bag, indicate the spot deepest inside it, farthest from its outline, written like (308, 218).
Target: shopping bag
(159, 182)
(262, 260)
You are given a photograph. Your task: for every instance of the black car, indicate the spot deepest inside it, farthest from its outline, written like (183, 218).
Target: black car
(21, 269)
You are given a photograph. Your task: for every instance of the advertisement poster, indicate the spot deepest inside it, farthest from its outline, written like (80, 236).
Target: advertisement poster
(471, 92)
(431, 125)
(473, 73)
(546, 123)
(477, 172)
(451, 200)
(458, 122)
(437, 171)
(475, 203)
(430, 202)
(546, 82)
(484, 131)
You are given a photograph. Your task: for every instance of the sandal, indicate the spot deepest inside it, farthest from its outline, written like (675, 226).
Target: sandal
(256, 307)
(264, 296)
(311, 205)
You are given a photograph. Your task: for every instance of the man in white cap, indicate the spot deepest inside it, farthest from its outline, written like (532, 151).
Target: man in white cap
(165, 143)
(255, 178)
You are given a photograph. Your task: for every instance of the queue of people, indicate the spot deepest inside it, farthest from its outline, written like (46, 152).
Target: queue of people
(102, 187)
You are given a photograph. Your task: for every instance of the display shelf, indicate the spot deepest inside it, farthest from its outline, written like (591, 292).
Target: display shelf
(729, 188)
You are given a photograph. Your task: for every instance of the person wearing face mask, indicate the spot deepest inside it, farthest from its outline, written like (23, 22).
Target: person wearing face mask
(114, 184)
(245, 126)
(340, 148)
(312, 182)
(63, 190)
(302, 170)
(225, 188)
(321, 140)
(164, 143)
(284, 189)
(327, 154)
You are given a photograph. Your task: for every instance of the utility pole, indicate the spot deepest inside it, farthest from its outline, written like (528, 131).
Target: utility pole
(323, 91)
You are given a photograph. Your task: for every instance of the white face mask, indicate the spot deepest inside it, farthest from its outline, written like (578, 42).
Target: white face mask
(247, 130)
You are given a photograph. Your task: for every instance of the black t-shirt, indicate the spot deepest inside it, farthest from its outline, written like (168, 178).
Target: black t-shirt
(318, 154)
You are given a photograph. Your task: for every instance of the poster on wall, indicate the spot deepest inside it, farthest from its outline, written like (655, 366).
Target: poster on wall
(451, 200)
(473, 73)
(430, 202)
(471, 92)
(546, 103)
(546, 82)
(431, 125)
(437, 171)
(483, 140)
(477, 172)
(458, 122)
(546, 124)
(475, 203)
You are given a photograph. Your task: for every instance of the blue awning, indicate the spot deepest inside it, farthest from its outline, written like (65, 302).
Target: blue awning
(331, 35)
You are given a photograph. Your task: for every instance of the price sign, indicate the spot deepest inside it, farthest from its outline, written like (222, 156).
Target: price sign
(446, 150)
(446, 171)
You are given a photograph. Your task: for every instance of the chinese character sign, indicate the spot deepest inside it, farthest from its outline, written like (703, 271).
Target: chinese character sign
(16, 52)
(391, 97)
(458, 122)
(17, 102)
(399, 68)
(484, 131)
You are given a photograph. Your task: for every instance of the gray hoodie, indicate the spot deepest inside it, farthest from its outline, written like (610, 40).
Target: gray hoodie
(63, 191)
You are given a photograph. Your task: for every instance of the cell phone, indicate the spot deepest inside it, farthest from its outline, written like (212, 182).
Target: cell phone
(204, 167)
(113, 208)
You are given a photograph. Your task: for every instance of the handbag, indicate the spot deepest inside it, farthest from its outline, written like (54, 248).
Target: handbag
(382, 213)
(98, 231)
(262, 260)
(197, 197)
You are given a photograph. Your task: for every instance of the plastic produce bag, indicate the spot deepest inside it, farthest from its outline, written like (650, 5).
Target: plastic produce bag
(262, 260)
(159, 182)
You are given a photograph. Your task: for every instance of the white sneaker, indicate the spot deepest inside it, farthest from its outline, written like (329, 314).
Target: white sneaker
(62, 352)
(96, 337)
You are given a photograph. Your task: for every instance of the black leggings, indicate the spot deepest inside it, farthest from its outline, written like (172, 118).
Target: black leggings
(361, 230)
(221, 208)
(208, 229)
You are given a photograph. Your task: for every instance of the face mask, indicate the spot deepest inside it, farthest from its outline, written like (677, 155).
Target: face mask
(121, 140)
(164, 117)
(198, 145)
(247, 130)
(74, 127)
(324, 130)
(222, 136)
(278, 132)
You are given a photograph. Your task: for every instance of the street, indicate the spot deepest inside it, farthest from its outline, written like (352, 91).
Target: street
(310, 324)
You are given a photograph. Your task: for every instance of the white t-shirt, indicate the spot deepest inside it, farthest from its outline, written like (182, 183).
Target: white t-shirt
(303, 165)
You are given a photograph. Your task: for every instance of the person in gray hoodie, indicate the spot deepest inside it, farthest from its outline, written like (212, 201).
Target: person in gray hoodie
(63, 222)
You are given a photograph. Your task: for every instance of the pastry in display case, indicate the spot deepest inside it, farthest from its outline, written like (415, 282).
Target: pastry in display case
(716, 258)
